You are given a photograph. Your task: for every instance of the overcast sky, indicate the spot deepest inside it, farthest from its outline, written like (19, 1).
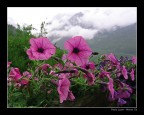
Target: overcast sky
(100, 17)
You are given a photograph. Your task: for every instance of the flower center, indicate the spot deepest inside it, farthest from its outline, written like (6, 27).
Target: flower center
(87, 67)
(40, 50)
(76, 50)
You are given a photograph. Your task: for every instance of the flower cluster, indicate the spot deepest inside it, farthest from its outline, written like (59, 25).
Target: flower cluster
(112, 75)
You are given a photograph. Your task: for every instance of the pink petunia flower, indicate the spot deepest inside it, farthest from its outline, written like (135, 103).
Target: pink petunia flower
(124, 72)
(124, 90)
(103, 74)
(126, 87)
(64, 57)
(113, 59)
(45, 67)
(70, 97)
(15, 74)
(111, 87)
(40, 49)
(62, 75)
(24, 81)
(134, 60)
(27, 74)
(89, 65)
(132, 75)
(123, 94)
(63, 89)
(8, 64)
(79, 51)
(90, 78)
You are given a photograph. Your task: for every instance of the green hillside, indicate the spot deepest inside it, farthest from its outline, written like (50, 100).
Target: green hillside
(121, 42)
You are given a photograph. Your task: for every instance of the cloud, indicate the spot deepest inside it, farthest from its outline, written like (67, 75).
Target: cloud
(87, 25)
(73, 31)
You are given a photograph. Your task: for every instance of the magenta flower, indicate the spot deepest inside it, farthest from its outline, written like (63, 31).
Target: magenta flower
(45, 67)
(124, 90)
(89, 65)
(62, 75)
(64, 57)
(63, 89)
(126, 87)
(103, 74)
(113, 59)
(79, 51)
(134, 60)
(27, 74)
(70, 97)
(24, 81)
(123, 94)
(8, 64)
(132, 75)
(124, 72)
(111, 87)
(90, 78)
(15, 74)
(40, 49)
(115, 96)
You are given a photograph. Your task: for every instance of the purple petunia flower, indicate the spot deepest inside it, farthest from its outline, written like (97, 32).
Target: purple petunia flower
(79, 51)
(123, 94)
(40, 49)
(121, 102)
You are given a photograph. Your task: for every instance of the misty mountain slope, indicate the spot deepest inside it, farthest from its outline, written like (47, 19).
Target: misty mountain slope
(121, 41)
